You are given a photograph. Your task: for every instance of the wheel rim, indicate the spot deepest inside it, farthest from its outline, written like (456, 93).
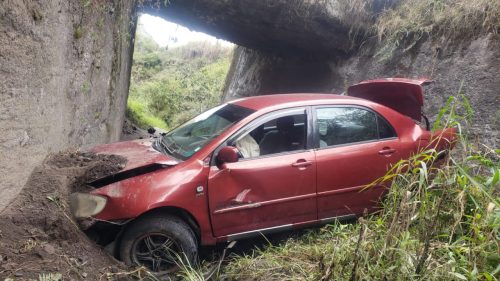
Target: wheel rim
(156, 251)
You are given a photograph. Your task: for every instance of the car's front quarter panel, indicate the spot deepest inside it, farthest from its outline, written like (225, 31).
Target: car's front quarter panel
(182, 186)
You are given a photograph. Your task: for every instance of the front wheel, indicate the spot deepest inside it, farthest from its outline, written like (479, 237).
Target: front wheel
(157, 243)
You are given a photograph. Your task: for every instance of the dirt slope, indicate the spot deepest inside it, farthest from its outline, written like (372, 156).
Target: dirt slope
(37, 233)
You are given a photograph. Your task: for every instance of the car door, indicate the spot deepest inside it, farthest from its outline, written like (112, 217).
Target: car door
(268, 192)
(355, 146)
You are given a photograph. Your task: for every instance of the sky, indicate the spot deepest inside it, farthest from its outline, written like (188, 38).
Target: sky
(173, 35)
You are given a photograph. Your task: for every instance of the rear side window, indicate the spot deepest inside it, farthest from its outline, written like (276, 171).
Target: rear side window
(385, 129)
(344, 125)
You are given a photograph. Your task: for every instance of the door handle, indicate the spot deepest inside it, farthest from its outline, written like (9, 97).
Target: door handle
(387, 151)
(302, 163)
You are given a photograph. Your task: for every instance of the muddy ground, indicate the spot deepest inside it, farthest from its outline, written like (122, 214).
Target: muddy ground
(38, 235)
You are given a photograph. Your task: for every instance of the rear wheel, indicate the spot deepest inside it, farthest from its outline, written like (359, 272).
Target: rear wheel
(157, 243)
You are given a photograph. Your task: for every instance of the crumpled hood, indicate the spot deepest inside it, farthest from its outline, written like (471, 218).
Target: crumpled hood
(406, 96)
(139, 153)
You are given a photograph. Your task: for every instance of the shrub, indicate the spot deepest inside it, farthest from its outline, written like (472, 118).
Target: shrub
(170, 86)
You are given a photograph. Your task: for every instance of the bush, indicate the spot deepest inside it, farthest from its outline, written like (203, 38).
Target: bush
(170, 86)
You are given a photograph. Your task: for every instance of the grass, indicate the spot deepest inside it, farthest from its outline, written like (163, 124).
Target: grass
(78, 32)
(404, 26)
(138, 114)
(437, 223)
(445, 228)
(50, 277)
(401, 25)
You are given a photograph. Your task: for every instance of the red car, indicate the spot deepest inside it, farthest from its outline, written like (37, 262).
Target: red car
(255, 165)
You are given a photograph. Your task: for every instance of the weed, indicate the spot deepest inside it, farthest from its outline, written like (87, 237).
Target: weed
(86, 87)
(29, 245)
(50, 277)
(56, 200)
(100, 22)
(187, 271)
(78, 32)
(37, 15)
(86, 3)
(139, 115)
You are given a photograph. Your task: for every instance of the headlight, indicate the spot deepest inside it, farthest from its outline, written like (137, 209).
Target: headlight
(84, 205)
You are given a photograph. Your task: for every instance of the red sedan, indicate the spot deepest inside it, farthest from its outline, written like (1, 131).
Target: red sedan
(256, 165)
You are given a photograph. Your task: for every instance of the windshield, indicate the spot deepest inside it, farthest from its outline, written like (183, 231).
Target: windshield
(193, 135)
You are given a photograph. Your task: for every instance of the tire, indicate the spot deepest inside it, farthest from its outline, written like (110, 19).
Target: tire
(156, 242)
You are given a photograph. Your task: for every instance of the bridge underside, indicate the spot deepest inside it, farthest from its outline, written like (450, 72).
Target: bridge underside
(278, 26)
(285, 46)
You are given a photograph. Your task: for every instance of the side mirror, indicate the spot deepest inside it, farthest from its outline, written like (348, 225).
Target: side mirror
(228, 154)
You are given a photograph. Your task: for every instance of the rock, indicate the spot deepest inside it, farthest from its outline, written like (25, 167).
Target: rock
(24, 139)
(49, 249)
(8, 266)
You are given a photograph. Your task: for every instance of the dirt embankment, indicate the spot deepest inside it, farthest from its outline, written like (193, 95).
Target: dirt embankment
(39, 238)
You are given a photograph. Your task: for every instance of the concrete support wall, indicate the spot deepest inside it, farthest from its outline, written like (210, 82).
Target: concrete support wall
(64, 76)
(259, 73)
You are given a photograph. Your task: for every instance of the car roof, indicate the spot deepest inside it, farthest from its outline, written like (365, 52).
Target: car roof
(286, 100)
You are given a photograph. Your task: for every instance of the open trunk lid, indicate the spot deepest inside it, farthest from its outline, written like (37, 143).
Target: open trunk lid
(406, 96)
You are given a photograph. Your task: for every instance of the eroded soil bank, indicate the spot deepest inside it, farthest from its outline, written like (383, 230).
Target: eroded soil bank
(39, 236)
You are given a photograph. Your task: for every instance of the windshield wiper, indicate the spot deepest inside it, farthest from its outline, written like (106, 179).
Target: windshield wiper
(160, 146)
(171, 147)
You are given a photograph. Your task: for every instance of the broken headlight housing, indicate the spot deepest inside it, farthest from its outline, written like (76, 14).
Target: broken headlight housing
(84, 205)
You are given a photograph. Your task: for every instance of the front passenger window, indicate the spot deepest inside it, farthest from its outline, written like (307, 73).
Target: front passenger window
(279, 135)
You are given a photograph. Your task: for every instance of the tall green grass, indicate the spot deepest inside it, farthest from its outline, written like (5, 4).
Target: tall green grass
(437, 223)
(139, 114)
